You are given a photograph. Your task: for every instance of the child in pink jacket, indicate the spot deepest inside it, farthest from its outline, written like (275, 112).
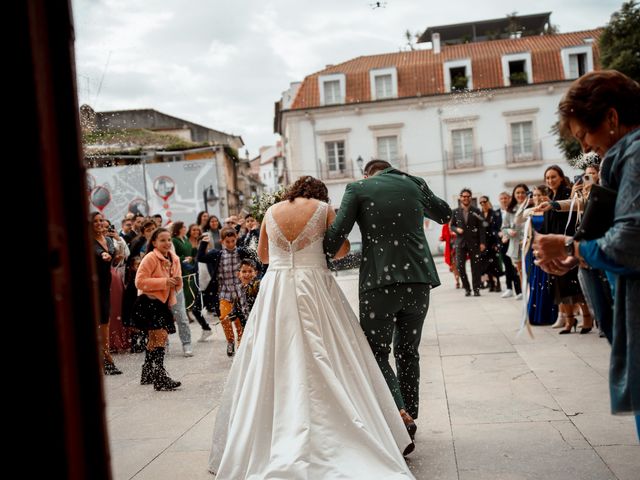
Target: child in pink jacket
(157, 280)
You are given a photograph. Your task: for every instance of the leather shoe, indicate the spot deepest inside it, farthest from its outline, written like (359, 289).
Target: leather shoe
(409, 424)
(410, 448)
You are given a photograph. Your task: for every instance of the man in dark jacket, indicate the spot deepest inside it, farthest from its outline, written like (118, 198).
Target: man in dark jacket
(397, 271)
(470, 240)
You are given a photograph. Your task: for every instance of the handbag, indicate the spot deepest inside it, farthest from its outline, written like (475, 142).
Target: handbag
(598, 213)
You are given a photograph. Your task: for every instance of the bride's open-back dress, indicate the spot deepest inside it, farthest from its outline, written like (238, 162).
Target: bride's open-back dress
(305, 398)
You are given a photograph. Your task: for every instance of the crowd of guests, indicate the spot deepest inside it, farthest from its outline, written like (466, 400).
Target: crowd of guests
(567, 262)
(152, 278)
(496, 242)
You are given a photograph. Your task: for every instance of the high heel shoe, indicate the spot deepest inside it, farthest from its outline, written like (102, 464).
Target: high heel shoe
(584, 329)
(573, 324)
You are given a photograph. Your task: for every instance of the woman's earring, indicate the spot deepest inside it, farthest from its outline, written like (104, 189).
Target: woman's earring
(611, 132)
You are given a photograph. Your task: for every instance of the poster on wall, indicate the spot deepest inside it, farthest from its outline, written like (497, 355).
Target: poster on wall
(175, 190)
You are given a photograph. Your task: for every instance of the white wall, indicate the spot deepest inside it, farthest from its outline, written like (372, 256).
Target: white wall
(423, 126)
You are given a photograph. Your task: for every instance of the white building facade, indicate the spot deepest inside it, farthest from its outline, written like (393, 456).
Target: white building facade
(475, 125)
(272, 167)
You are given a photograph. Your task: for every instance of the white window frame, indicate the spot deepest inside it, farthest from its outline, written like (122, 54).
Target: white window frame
(379, 73)
(515, 57)
(337, 172)
(389, 130)
(457, 64)
(530, 154)
(566, 52)
(521, 116)
(331, 78)
(473, 145)
(397, 161)
(462, 123)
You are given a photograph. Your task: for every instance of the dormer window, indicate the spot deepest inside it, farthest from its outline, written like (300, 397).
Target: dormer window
(518, 72)
(332, 92)
(516, 69)
(576, 61)
(458, 75)
(332, 89)
(384, 83)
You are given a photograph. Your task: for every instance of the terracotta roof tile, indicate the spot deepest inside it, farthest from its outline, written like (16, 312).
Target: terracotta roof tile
(421, 72)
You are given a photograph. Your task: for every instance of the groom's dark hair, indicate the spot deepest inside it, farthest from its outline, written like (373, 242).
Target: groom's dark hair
(374, 166)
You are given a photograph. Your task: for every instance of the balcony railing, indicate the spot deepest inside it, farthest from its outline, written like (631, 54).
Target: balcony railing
(472, 160)
(515, 155)
(345, 172)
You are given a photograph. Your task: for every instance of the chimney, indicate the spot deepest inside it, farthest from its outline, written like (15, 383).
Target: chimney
(435, 41)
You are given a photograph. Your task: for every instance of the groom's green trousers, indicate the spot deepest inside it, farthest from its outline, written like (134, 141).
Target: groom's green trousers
(395, 315)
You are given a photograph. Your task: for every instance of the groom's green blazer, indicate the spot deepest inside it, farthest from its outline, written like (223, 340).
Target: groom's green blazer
(389, 208)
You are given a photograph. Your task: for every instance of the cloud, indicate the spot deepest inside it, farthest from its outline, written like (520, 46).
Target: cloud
(223, 64)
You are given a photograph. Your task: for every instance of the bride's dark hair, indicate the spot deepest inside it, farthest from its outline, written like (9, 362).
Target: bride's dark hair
(307, 187)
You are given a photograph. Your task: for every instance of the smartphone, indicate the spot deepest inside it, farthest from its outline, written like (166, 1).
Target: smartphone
(587, 179)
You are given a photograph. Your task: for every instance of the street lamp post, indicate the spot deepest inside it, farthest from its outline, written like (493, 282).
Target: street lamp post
(275, 174)
(210, 198)
(360, 163)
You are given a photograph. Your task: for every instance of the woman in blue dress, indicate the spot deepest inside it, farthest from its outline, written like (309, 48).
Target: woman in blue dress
(542, 310)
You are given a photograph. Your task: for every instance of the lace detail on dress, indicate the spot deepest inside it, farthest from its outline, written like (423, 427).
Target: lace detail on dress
(312, 231)
(276, 236)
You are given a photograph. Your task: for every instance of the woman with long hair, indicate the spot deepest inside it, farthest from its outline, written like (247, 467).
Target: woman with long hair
(512, 230)
(566, 288)
(104, 253)
(490, 259)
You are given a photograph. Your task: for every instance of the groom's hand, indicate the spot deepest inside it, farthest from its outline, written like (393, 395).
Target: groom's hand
(459, 230)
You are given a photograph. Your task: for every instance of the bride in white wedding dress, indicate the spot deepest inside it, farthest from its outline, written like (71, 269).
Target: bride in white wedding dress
(305, 398)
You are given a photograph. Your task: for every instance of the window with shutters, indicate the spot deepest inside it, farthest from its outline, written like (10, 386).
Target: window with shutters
(576, 61)
(522, 139)
(335, 157)
(332, 89)
(388, 150)
(462, 147)
(384, 83)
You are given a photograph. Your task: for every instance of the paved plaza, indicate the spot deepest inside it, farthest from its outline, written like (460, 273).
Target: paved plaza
(494, 404)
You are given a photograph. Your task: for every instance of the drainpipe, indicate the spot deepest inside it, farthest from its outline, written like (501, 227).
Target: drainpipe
(444, 159)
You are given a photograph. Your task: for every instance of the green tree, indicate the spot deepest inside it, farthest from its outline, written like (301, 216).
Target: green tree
(569, 147)
(620, 41)
(619, 50)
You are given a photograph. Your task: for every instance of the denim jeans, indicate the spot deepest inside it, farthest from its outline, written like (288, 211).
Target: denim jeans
(182, 321)
(597, 293)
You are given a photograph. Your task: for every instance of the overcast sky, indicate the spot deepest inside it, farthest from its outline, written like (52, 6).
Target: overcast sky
(223, 64)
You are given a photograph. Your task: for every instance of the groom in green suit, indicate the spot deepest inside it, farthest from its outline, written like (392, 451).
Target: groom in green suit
(397, 270)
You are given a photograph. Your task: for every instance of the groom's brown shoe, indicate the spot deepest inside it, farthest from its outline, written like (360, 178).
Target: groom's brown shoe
(409, 424)
(411, 427)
